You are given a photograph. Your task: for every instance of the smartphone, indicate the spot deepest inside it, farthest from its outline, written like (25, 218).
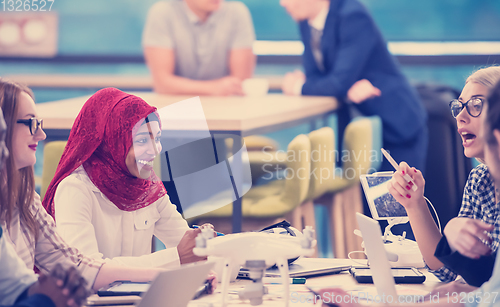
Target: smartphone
(401, 275)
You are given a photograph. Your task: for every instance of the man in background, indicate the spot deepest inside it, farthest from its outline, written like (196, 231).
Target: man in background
(199, 47)
(343, 47)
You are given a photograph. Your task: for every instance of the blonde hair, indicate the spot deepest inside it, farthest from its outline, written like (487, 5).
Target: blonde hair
(488, 76)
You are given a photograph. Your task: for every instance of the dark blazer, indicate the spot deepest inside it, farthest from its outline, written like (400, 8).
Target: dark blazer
(354, 49)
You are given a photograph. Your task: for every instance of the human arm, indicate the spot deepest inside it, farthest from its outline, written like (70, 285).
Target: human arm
(54, 291)
(242, 63)
(88, 221)
(469, 237)
(474, 271)
(242, 60)
(424, 228)
(173, 231)
(162, 52)
(356, 40)
(159, 53)
(65, 287)
(161, 63)
(362, 90)
(465, 232)
(52, 249)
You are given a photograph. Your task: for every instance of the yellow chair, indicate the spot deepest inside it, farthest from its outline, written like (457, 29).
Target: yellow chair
(339, 188)
(264, 205)
(52, 152)
(263, 155)
(259, 142)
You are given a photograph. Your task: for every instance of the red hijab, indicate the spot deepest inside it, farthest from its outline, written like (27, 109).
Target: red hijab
(100, 139)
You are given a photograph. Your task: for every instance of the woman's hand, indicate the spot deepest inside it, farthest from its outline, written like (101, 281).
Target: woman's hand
(469, 237)
(212, 277)
(63, 287)
(402, 190)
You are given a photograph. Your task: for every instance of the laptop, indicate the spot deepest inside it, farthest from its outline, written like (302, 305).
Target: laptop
(379, 264)
(172, 288)
(307, 267)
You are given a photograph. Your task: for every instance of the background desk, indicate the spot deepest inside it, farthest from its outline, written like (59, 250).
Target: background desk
(241, 116)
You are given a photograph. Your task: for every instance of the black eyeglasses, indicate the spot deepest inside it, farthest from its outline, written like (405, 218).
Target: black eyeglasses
(474, 106)
(33, 123)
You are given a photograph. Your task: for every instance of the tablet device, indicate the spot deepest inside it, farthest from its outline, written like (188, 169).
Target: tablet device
(124, 288)
(401, 275)
(95, 300)
(383, 205)
(306, 267)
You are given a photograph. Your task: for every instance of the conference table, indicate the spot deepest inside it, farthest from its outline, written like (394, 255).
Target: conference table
(301, 296)
(237, 115)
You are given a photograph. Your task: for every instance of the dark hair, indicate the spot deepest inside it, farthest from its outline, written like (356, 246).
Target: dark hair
(17, 187)
(151, 118)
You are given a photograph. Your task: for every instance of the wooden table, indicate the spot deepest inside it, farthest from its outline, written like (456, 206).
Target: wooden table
(98, 81)
(241, 116)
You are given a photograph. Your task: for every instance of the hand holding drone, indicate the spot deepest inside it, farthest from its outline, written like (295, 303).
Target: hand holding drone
(255, 251)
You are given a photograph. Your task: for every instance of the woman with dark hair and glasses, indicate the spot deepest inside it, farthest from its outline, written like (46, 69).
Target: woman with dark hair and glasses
(479, 210)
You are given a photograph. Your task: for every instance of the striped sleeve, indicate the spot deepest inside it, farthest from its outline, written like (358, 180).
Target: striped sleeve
(51, 249)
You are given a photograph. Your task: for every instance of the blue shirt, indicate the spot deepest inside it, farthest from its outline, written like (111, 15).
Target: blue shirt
(201, 49)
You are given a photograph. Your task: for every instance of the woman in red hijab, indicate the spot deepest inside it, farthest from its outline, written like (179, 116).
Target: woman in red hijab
(105, 197)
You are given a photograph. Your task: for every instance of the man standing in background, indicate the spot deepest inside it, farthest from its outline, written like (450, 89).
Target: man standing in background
(343, 47)
(199, 47)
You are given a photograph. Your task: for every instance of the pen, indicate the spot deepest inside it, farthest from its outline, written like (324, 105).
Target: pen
(205, 289)
(279, 281)
(396, 167)
(219, 234)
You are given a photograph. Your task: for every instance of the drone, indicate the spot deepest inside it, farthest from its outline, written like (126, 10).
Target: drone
(255, 251)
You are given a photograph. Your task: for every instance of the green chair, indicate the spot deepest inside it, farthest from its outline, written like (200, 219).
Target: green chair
(52, 152)
(265, 204)
(339, 188)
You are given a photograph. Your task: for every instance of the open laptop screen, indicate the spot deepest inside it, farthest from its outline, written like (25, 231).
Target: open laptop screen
(382, 204)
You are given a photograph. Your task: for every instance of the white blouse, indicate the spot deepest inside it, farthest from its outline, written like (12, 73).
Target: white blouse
(15, 277)
(48, 248)
(89, 221)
